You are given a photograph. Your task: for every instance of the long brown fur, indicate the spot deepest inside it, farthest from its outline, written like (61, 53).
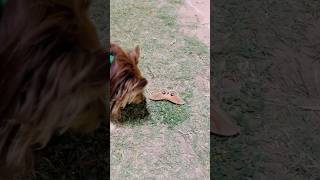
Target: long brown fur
(126, 80)
(52, 76)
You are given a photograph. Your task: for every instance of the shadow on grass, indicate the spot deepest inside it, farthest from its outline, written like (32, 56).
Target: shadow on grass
(160, 112)
(135, 114)
(74, 157)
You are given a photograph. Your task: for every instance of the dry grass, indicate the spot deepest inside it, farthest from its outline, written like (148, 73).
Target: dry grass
(171, 141)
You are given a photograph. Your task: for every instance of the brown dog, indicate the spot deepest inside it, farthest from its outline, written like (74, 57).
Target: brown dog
(126, 81)
(52, 76)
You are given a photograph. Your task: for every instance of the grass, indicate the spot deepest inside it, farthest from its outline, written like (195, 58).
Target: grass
(167, 141)
(73, 156)
(166, 18)
(258, 48)
(169, 114)
(158, 140)
(166, 112)
(157, 112)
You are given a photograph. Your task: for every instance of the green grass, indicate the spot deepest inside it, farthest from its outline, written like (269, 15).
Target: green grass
(169, 113)
(178, 2)
(159, 139)
(194, 45)
(166, 18)
(158, 112)
(161, 28)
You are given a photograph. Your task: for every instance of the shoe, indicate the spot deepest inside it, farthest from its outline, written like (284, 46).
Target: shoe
(165, 94)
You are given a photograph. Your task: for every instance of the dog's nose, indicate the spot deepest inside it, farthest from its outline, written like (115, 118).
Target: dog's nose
(143, 99)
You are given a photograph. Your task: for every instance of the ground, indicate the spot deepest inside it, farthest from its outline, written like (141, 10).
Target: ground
(166, 141)
(265, 67)
(158, 140)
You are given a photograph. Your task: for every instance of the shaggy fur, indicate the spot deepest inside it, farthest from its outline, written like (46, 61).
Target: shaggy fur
(126, 81)
(52, 76)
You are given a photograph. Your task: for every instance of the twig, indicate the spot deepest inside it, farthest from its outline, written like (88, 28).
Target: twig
(150, 72)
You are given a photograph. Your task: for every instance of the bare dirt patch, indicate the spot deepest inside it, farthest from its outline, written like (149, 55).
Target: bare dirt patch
(172, 142)
(203, 84)
(194, 18)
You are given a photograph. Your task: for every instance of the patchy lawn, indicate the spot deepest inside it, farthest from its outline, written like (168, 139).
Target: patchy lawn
(266, 75)
(165, 141)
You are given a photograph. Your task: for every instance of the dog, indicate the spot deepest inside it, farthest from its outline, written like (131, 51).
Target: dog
(52, 74)
(126, 81)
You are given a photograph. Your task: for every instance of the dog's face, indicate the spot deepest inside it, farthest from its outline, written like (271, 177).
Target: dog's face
(126, 81)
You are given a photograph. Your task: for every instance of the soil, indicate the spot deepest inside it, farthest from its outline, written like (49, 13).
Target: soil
(197, 13)
(172, 142)
(194, 18)
(266, 76)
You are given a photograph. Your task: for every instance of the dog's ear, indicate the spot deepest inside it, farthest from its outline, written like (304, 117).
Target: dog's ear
(135, 54)
(116, 50)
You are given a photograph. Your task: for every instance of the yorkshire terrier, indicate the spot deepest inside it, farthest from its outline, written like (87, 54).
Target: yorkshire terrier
(126, 81)
(52, 76)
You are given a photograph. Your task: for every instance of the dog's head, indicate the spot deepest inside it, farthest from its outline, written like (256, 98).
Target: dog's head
(126, 81)
(52, 75)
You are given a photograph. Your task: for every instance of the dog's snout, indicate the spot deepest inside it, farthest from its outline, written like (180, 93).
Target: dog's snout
(140, 98)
